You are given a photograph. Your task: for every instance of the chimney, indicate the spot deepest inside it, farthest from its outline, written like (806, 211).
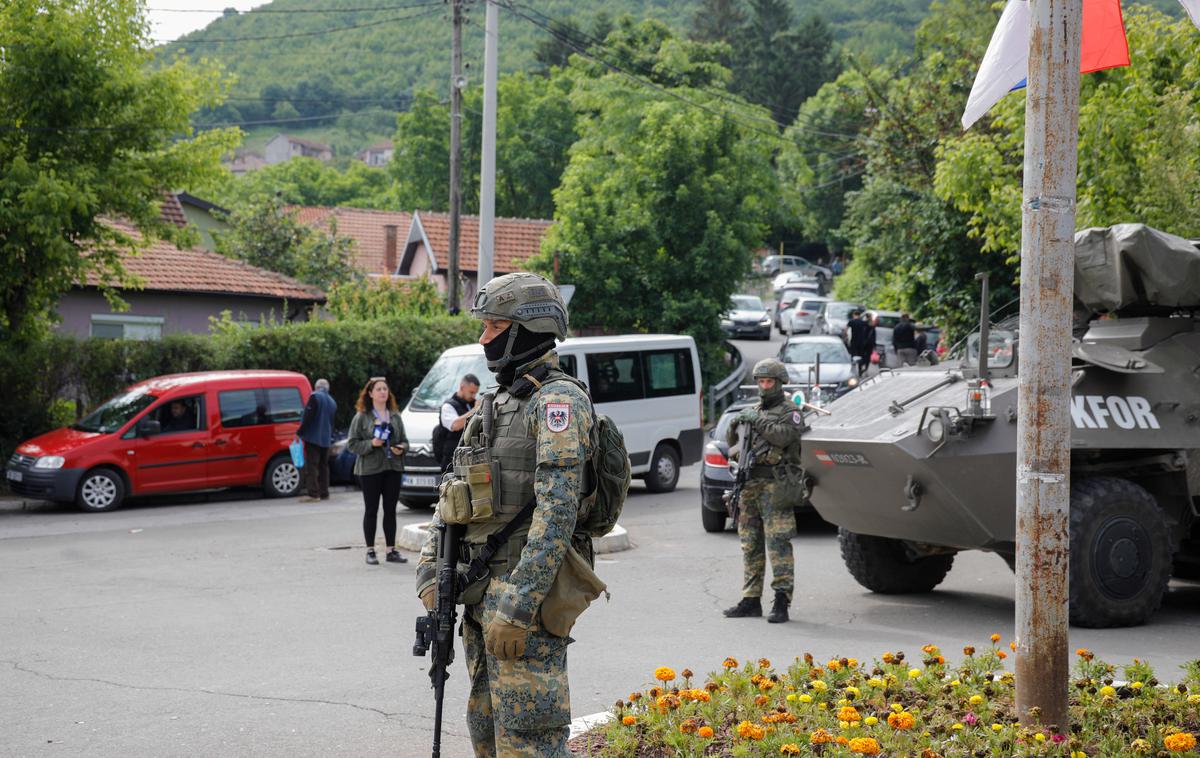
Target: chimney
(389, 248)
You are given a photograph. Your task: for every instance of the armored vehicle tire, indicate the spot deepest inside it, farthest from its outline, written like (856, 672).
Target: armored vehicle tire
(1120, 553)
(664, 469)
(882, 564)
(714, 521)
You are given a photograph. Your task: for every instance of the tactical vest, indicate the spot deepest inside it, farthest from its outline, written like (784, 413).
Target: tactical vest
(766, 454)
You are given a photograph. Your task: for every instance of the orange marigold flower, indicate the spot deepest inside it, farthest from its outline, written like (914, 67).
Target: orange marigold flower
(766, 685)
(833, 665)
(1085, 654)
(635, 696)
(706, 732)
(1012, 646)
(747, 730)
(927, 753)
(664, 673)
(969, 650)
(730, 663)
(849, 713)
(842, 740)
(864, 746)
(789, 748)
(889, 658)
(629, 721)
(689, 726)
(1001, 654)
(901, 721)
(808, 658)
(686, 674)
(941, 659)
(764, 663)
(1181, 742)
(712, 686)
(995, 638)
(820, 737)
(930, 649)
(761, 700)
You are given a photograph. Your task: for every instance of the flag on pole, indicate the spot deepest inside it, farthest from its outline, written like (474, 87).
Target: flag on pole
(1005, 65)
(1193, 10)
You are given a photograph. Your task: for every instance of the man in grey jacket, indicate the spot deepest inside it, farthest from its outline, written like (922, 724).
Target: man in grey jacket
(316, 430)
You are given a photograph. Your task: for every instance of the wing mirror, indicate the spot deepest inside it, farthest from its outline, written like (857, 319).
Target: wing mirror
(148, 427)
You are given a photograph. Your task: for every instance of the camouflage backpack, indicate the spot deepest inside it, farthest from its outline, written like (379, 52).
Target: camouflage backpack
(609, 478)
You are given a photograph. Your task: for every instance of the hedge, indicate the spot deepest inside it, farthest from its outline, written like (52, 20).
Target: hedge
(85, 372)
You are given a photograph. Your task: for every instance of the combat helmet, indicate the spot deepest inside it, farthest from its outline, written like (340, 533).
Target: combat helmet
(771, 368)
(536, 309)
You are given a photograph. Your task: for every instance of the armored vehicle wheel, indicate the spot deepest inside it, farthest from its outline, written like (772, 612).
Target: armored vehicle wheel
(1120, 553)
(882, 564)
(714, 521)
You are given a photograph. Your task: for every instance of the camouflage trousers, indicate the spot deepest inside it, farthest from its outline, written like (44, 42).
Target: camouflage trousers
(519, 708)
(765, 526)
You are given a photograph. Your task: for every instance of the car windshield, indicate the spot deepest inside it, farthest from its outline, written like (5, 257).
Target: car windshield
(116, 413)
(840, 310)
(1001, 346)
(807, 351)
(809, 305)
(443, 379)
(887, 322)
(746, 303)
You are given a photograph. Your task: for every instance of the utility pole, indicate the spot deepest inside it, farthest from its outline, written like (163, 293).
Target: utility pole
(487, 168)
(1044, 394)
(457, 82)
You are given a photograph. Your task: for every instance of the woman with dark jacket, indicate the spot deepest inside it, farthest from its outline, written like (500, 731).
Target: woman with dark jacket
(377, 438)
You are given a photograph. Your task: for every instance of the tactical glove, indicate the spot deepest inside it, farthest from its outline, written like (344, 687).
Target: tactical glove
(429, 597)
(504, 640)
(747, 416)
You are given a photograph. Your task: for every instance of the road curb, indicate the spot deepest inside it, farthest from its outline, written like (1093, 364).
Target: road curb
(585, 724)
(414, 536)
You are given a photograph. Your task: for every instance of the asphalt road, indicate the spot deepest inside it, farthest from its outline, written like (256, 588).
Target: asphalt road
(235, 626)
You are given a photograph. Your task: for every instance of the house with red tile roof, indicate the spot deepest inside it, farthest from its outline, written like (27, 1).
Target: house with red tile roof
(284, 147)
(180, 290)
(410, 245)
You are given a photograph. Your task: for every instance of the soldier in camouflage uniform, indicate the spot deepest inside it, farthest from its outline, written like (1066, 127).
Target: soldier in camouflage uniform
(766, 521)
(541, 436)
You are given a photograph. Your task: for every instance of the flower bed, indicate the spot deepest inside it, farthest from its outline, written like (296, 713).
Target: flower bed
(898, 707)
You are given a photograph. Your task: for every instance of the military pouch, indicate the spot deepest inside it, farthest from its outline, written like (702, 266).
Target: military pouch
(473, 593)
(454, 502)
(575, 587)
(480, 480)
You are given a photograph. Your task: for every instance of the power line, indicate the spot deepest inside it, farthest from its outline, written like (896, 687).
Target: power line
(259, 11)
(295, 35)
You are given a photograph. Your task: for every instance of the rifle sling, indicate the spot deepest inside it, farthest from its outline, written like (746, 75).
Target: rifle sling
(479, 565)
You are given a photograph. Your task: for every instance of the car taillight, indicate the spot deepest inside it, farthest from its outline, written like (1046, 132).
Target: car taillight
(713, 457)
(803, 313)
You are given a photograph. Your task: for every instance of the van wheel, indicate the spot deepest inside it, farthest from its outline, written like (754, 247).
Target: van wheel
(883, 565)
(1120, 553)
(100, 490)
(282, 478)
(664, 469)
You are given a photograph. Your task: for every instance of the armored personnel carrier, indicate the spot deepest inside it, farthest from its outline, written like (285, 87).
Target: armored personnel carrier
(918, 464)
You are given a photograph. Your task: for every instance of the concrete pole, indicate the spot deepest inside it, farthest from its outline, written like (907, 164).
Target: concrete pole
(456, 86)
(487, 169)
(1043, 401)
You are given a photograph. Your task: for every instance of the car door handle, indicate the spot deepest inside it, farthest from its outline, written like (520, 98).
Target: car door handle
(197, 445)
(221, 442)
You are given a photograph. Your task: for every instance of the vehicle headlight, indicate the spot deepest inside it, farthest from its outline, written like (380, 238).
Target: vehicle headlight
(852, 382)
(935, 430)
(766, 321)
(49, 461)
(726, 322)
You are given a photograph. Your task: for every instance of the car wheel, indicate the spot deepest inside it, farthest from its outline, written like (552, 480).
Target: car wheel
(1120, 553)
(100, 490)
(282, 478)
(664, 469)
(714, 521)
(883, 565)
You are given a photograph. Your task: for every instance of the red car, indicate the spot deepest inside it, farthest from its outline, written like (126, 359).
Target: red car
(170, 434)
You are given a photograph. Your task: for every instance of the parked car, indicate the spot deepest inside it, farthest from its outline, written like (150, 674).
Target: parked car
(341, 460)
(775, 264)
(648, 384)
(170, 434)
(800, 317)
(837, 372)
(831, 317)
(790, 295)
(747, 317)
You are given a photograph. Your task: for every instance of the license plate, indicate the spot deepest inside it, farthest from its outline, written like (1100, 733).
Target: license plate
(15, 476)
(414, 480)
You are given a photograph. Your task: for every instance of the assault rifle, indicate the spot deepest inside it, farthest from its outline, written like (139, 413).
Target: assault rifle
(435, 631)
(733, 497)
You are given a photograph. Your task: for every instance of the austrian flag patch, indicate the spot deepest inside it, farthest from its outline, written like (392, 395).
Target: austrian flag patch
(558, 416)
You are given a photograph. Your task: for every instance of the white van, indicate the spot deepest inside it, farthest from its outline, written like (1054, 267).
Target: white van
(649, 384)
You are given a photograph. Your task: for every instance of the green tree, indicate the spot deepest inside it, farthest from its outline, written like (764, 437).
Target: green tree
(660, 207)
(1139, 144)
(385, 298)
(717, 20)
(265, 234)
(91, 135)
(307, 181)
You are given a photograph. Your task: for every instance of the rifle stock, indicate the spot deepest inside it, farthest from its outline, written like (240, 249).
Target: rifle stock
(733, 497)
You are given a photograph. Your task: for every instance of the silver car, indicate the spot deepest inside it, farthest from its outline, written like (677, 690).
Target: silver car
(832, 317)
(747, 317)
(801, 316)
(835, 373)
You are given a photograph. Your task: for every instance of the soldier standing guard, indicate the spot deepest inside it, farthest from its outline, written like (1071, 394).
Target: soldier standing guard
(523, 460)
(766, 521)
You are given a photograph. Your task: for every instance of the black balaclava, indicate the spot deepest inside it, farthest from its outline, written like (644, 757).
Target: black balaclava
(772, 397)
(513, 348)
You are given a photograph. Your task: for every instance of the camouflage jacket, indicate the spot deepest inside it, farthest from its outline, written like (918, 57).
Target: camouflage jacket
(777, 432)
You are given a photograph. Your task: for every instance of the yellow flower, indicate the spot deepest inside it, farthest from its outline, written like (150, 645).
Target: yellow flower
(955, 683)
(791, 698)
(976, 699)
(1078, 754)
(870, 721)
(1107, 691)
(852, 663)
(997, 727)
(995, 638)
(1193, 699)
(889, 657)
(1179, 743)
(1137, 685)
(957, 727)
(819, 685)
(730, 663)
(853, 691)
(914, 673)
(806, 698)
(931, 650)
(843, 702)
(897, 707)
(628, 720)
(864, 746)
(833, 665)
(664, 674)
(875, 682)
(789, 748)
(823, 706)
(849, 713)
(706, 732)
(1040, 737)
(764, 663)
(1140, 746)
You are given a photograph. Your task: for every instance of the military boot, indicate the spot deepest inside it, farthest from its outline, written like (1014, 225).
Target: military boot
(779, 611)
(747, 607)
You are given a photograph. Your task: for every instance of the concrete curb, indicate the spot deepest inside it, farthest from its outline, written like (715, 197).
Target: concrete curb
(584, 724)
(414, 536)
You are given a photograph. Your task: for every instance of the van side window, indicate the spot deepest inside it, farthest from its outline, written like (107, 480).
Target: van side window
(669, 372)
(613, 377)
(283, 405)
(240, 408)
(567, 364)
(182, 414)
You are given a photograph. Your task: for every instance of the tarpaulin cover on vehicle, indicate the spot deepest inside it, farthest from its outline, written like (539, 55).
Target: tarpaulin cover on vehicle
(1133, 266)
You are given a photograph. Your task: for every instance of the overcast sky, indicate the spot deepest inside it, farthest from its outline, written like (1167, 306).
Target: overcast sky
(168, 23)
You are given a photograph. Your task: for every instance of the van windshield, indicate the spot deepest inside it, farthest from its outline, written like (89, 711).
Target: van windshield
(116, 413)
(443, 379)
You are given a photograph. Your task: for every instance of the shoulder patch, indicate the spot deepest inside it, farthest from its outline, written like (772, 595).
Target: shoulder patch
(797, 418)
(558, 416)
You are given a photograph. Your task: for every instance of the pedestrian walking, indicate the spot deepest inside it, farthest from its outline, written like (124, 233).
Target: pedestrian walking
(377, 438)
(541, 431)
(869, 343)
(316, 431)
(904, 339)
(856, 340)
(770, 443)
(455, 414)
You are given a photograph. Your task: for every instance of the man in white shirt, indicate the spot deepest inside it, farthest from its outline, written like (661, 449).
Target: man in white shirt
(455, 413)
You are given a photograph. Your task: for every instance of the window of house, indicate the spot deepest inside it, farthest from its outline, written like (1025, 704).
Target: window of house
(283, 405)
(240, 408)
(118, 326)
(669, 372)
(614, 377)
